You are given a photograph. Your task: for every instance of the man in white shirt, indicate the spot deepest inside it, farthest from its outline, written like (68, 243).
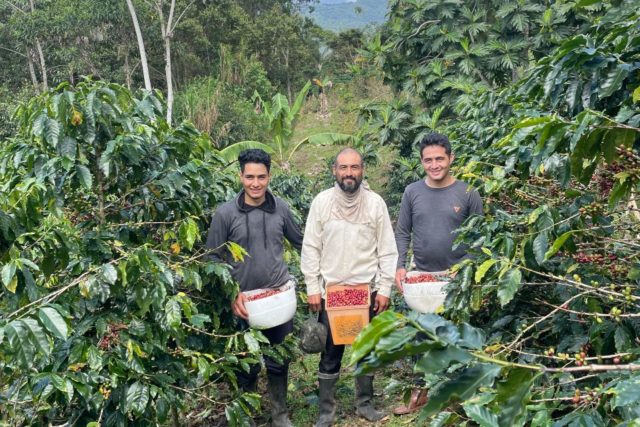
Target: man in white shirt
(349, 240)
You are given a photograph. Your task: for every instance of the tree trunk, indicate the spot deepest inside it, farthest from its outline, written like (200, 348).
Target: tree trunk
(167, 33)
(286, 64)
(143, 54)
(32, 71)
(43, 66)
(127, 70)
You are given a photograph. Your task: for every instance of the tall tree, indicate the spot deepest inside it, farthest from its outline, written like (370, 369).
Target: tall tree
(143, 53)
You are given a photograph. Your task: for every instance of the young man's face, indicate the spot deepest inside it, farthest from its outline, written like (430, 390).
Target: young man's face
(436, 162)
(255, 181)
(348, 171)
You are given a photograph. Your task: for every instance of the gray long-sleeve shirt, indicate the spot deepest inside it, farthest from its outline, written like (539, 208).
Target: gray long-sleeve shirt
(429, 216)
(261, 232)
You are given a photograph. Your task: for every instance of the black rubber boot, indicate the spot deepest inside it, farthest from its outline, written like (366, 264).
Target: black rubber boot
(249, 385)
(327, 402)
(364, 399)
(278, 397)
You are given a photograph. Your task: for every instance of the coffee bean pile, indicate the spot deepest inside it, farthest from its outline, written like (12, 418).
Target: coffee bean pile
(267, 293)
(347, 297)
(421, 278)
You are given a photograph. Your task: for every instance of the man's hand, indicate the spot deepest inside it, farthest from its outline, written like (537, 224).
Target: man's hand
(380, 304)
(401, 273)
(315, 302)
(238, 307)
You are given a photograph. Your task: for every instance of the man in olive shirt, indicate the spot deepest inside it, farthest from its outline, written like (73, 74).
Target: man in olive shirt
(430, 212)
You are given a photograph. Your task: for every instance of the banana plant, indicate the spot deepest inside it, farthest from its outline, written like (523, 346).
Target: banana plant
(282, 119)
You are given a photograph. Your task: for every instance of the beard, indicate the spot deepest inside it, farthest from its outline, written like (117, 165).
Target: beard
(351, 186)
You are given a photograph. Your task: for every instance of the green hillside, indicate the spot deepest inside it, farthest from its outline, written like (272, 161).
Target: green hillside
(342, 16)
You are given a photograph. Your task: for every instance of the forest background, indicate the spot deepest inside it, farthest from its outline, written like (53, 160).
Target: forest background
(119, 122)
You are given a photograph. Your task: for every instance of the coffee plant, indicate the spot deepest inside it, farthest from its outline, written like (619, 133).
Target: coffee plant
(111, 311)
(552, 288)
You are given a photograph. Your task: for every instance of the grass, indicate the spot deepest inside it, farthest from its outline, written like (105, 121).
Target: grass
(303, 394)
(343, 105)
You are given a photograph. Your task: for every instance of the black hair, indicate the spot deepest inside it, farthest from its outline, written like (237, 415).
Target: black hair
(435, 139)
(254, 155)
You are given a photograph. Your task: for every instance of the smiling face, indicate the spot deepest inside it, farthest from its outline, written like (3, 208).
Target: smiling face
(436, 163)
(255, 181)
(348, 171)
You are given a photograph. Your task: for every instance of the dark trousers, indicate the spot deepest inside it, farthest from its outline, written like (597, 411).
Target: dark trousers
(331, 357)
(275, 335)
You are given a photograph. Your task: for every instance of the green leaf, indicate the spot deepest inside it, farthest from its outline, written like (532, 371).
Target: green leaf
(17, 334)
(481, 415)
(585, 3)
(540, 245)
(64, 385)
(251, 342)
(53, 322)
(52, 132)
(557, 244)
(484, 267)
(84, 176)
(533, 216)
(37, 336)
(622, 339)
(435, 360)
(29, 264)
(369, 336)
(513, 395)
(94, 358)
(109, 273)
(198, 320)
(614, 80)
(528, 122)
(620, 191)
(627, 392)
(440, 419)
(9, 278)
(68, 147)
(137, 398)
(636, 94)
(509, 285)
(462, 387)
(173, 312)
(188, 233)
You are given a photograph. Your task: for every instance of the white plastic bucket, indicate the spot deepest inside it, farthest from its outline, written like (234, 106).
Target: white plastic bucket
(274, 310)
(425, 297)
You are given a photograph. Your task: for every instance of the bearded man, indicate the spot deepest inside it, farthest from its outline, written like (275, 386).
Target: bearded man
(348, 239)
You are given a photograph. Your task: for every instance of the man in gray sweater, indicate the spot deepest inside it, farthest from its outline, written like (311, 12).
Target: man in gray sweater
(430, 212)
(259, 222)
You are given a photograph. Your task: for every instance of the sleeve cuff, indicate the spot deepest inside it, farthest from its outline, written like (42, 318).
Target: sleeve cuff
(313, 288)
(384, 290)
